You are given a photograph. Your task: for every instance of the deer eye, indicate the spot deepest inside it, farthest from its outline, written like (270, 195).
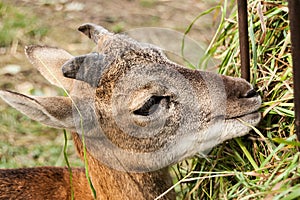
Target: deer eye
(150, 106)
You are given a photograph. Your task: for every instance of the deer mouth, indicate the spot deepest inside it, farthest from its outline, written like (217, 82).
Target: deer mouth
(251, 118)
(247, 111)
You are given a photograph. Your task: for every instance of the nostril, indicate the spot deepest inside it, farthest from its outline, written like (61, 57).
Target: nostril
(251, 93)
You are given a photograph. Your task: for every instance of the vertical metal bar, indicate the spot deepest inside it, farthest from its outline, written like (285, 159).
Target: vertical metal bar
(243, 37)
(294, 7)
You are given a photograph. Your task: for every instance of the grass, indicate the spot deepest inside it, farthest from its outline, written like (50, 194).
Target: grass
(17, 24)
(261, 165)
(265, 163)
(19, 146)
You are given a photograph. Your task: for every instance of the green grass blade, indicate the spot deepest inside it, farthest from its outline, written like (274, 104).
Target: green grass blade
(246, 152)
(68, 164)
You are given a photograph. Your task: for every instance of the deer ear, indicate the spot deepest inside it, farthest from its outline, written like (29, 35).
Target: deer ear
(51, 111)
(95, 32)
(48, 60)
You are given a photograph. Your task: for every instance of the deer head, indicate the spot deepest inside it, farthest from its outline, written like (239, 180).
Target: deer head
(138, 111)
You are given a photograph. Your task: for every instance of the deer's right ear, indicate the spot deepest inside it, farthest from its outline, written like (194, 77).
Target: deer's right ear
(95, 32)
(48, 60)
(51, 111)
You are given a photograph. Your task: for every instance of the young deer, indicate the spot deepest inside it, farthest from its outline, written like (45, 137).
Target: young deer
(136, 112)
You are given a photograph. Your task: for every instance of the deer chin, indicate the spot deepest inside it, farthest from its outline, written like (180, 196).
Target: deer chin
(240, 125)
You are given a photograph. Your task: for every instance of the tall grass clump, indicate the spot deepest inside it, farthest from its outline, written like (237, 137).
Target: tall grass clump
(265, 163)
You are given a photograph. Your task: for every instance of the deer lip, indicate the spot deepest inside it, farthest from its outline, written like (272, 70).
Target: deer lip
(252, 118)
(247, 116)
(252, 113)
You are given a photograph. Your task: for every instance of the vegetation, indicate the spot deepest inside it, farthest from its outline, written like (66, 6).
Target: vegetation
(265, 163)
(17, 25)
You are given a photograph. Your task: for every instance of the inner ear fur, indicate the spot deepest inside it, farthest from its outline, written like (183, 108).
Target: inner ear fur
(95, 32)
(49, 60)
(51, 111)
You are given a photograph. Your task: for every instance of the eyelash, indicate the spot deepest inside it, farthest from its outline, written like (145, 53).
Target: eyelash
(147, 108)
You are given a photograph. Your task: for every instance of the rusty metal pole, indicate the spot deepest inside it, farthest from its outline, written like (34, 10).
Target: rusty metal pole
(294, 7)
(243, 37)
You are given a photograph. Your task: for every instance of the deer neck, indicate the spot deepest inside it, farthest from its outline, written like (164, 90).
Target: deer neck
(113, 184)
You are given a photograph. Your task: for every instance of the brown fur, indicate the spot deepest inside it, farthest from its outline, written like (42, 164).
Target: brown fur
(43, 183)
(54, 182)
(112, 184)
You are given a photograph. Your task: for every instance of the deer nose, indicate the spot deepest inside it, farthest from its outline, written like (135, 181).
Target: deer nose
(251, 93)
